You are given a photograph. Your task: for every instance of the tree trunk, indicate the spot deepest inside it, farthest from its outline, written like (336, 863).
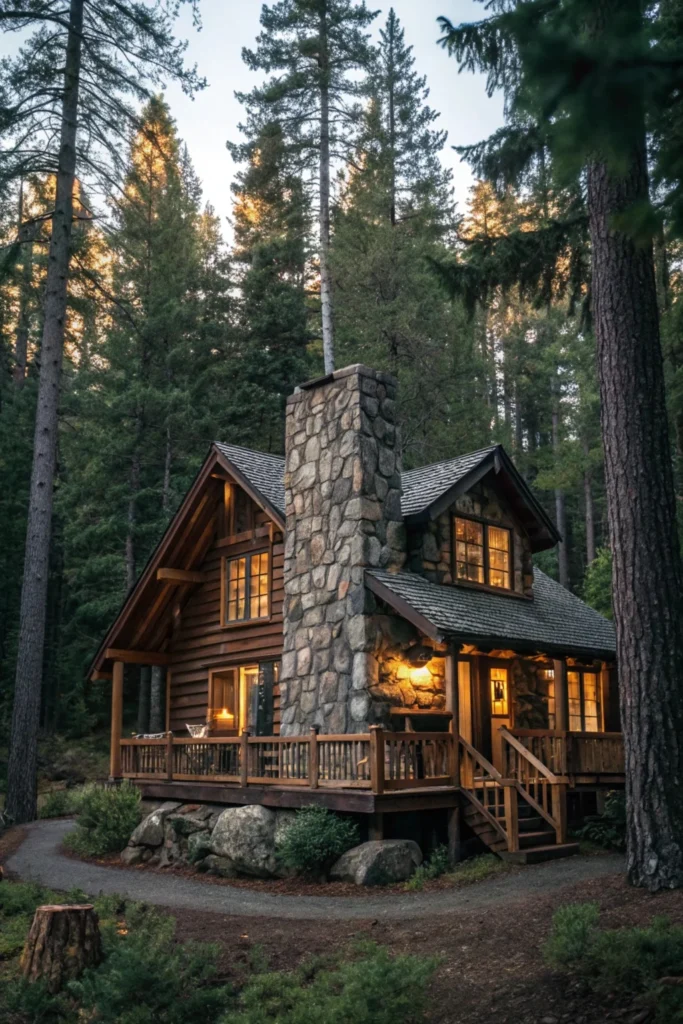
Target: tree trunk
(21, 774)
(144, 696)
(325, 277)
(647, 572)
(589, 511)
(62, 942)
(23, 318)
(560, 507)
(157, 701)
(391, 84)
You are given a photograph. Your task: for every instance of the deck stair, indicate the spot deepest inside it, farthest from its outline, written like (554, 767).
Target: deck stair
(519, 815)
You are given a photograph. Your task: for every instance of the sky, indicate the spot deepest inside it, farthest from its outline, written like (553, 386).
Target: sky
(213, 116)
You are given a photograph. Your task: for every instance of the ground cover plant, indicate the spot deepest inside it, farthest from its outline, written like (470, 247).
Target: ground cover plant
(645, 962)
(609, 828)
(107, 816)
(475, 869)
(148, 977)
(315, 839)
(61, 802)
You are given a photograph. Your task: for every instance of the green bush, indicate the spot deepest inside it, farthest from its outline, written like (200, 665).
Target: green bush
(60, 802)
(106, 819)
(376, 988)
(628, 961)
(148, 978)
(437, 864)
(607, 829)
(315, 839)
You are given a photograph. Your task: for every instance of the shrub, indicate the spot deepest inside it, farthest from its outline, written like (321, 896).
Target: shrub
(60, 802)
(107, 817)
(629, 961)
(376, 988)
(148, 978)
(607, 829)
(315, 839)
(437, 864)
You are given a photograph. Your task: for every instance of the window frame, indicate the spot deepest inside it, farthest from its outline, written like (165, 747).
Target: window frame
(485, 524)
(581, 671)
(227, 623)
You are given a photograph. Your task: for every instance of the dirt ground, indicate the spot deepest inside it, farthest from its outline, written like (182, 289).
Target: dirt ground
(491, 966)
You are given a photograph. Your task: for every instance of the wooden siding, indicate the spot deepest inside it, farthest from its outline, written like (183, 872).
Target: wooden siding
(202, 643)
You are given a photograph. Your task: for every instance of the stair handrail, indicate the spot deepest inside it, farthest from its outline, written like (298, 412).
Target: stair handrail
(486, 765)
(550, 775)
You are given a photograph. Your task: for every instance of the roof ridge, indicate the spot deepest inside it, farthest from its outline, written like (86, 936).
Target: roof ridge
(454, 458)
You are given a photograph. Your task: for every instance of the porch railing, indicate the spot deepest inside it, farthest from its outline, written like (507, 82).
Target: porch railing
(575, 753)
(378, 761)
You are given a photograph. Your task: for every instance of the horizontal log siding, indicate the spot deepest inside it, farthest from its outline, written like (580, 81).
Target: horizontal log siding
(201, 643)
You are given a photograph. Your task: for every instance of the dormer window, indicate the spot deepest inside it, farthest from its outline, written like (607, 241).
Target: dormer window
(482, 553)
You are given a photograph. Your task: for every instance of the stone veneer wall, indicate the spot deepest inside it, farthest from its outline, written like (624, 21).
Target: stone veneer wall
(430, 545)
(343, 507)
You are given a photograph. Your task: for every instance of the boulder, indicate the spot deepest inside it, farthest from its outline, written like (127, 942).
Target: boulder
(214, 865)
(150, 831)
(132, 855)
(198, 846)
(248, 836)
(379, 862)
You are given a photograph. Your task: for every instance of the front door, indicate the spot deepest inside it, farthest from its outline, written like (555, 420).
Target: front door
(499, 703)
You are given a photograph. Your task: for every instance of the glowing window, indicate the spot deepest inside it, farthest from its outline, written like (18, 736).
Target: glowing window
(499, 556)
(482, 553)
(499, 691)
(247, 587)
(584, 701)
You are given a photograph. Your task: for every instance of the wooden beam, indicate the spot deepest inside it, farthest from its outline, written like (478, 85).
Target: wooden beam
(100, 677)
(136, 657)
(116, 721)
(180, 576)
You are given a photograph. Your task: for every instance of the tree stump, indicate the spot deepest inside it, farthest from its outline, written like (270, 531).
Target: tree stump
(62, 942)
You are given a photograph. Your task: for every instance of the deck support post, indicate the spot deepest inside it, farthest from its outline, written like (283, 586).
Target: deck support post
(377, 758)
(116, 721)
(244, 757)
(454, 850)
(169, 756)
(511, 818)
(376, 826)
(313, 758)
(559, 798)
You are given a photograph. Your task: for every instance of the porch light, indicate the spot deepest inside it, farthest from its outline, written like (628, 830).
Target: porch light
(418, 655)
(420, 676)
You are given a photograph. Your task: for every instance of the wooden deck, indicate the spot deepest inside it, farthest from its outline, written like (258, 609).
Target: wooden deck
(584, 757)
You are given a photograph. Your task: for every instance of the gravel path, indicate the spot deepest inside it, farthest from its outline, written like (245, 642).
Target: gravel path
(39, 859)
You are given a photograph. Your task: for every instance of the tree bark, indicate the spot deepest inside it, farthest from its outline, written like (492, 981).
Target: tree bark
(21, 774)
(560, 507)
(62, 942)
(23, 318)
(144, 697)
(647, 571)
(325, 277)
(157, 702)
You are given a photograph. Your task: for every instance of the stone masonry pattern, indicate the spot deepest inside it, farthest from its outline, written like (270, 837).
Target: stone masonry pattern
(343, 508)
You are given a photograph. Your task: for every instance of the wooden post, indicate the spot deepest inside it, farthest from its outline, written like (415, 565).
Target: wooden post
(376, 826)
(559, 798)
(244, 757)
(377, 758)
(454, 835)
(62, 942)
(561, 695)
(512, 818)
(116, 721)
(169, 756)
(313, 758)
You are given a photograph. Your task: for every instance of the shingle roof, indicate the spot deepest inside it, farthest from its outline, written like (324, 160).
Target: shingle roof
(555, 620)
(421, 487)
(265, 472)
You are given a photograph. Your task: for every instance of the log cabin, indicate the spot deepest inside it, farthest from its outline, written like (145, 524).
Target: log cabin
(333, 630)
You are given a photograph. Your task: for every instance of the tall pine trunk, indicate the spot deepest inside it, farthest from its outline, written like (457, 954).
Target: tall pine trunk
(560, 504)
(21, 336)
(21, 773)
(325, 277)
(647, 571)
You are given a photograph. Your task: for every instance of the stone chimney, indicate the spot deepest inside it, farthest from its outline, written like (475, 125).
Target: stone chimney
(343, 506)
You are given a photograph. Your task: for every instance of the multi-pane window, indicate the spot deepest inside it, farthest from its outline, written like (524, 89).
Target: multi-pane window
(499, 691)
(482, 553)
(229, 691)
(548, 675)
(584, 701)
(247, 586)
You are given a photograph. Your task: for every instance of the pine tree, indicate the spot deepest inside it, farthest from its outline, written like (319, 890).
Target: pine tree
(57, 80)
(590, 75)
(314, 47)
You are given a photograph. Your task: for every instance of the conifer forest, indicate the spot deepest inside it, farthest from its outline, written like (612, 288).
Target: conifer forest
(136, 327)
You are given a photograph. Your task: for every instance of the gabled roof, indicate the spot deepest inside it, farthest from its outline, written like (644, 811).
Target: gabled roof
(555, 621)
(427, 491)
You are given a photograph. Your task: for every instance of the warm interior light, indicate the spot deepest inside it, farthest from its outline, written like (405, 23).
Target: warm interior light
(226, 715)
(420, 675)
